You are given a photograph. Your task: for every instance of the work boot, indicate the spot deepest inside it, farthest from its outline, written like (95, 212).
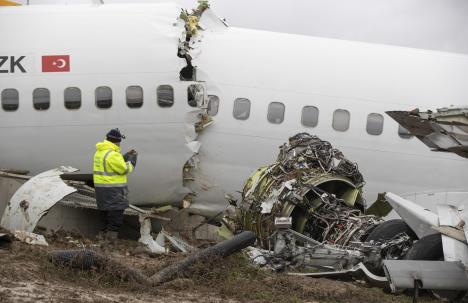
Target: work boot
(112, 235)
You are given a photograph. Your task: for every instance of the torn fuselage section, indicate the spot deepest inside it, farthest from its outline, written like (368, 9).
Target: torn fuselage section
(307, 211)
(188, 39)
(195, 122)
(194, 25)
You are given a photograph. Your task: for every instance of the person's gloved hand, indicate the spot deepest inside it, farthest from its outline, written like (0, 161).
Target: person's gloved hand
(131, 156)
(133, 159)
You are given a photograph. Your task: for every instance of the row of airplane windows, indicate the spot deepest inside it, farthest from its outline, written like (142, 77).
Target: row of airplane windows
(165, 98)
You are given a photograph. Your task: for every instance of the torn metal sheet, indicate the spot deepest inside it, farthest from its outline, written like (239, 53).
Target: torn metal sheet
(444, 130)
(34, 198)
(440, 275)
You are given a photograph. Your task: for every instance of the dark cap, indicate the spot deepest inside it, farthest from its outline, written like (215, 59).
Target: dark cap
(114, 135)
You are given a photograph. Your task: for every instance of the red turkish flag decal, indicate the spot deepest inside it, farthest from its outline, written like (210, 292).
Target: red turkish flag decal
(53, 64)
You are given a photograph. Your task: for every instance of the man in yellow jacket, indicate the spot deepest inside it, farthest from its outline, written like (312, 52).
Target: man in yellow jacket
(110, 180)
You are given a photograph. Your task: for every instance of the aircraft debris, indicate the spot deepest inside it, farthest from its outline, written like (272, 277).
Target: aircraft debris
(39, 193)
(307, 212)
(32, 201)
(310, 179)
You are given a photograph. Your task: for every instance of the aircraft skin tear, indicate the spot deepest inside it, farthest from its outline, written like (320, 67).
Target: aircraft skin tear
(198, 119)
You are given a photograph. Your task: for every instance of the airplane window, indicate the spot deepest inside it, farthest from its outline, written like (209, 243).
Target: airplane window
(341, 119)
(241, 109)
(10, 99)
(213, 105)
(165, 95)
(72, 97)
(195, 94)
(41, 98)
(374, 124)
(103, 97)
(275, 112)
(404, 133)
(134, 96)
(310, 116)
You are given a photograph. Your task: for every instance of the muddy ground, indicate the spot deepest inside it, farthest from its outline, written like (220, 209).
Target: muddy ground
(26, 275)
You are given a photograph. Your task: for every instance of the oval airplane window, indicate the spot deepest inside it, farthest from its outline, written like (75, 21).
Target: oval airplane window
(309, 116)
(134, 95)
(10, 99)
(72, 98)
(165, 95)
(341, 119)
(374, 124)
(275, 113)
(103, 96)
(241, 110)
(41, 98)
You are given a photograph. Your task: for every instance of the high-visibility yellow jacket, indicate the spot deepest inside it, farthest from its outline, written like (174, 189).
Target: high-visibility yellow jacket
(110, 168)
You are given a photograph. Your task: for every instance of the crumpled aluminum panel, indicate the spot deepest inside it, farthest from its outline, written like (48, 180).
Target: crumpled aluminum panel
(34, 198)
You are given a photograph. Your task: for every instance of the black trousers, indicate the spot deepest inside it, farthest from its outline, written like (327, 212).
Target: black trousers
(114, 219)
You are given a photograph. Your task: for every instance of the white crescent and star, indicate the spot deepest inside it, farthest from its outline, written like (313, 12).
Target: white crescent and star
(60, 63)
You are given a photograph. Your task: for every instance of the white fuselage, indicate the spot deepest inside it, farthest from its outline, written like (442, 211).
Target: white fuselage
(136, 45)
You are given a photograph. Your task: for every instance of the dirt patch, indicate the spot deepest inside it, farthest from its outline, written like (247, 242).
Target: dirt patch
(26, 275)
